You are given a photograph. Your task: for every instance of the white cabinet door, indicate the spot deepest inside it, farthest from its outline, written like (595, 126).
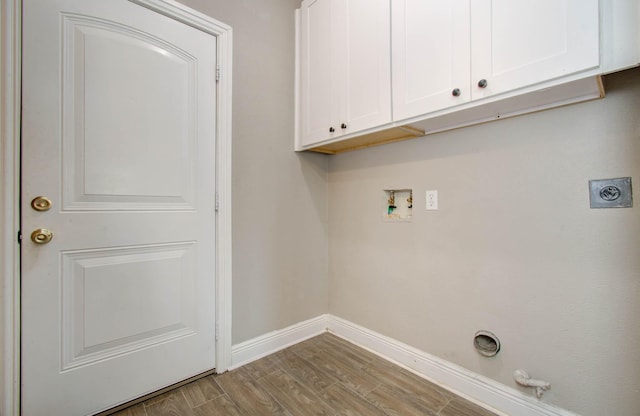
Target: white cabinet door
(365, 84)
(117, 130)
(481, 48)
(517, 43)
(345, 67)
(430, 55)
(319, 99)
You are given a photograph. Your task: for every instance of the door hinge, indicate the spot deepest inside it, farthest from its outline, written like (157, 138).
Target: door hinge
(19, 237)
(217, 202)
(217, 72)
(217, 331)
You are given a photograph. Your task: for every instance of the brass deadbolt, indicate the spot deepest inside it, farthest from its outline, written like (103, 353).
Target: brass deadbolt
(41, 203)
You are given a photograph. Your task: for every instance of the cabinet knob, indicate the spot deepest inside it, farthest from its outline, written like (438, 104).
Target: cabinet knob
(331, 129)
(483, 83)
(343, 126)
(456, 92)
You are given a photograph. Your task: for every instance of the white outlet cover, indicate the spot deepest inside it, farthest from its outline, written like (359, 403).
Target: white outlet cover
(432, 200)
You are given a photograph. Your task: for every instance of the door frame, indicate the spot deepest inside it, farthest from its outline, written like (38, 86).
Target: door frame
(10, 104)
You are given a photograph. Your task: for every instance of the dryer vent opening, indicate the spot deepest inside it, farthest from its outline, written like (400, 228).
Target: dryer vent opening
(486, 343)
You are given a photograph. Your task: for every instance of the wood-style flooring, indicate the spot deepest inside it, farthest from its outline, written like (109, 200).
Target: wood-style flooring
(324, 375)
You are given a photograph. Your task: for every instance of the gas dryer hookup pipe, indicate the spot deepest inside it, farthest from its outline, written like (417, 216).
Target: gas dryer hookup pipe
(521, 377)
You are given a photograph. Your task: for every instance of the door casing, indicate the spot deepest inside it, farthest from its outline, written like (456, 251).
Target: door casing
(10, 104)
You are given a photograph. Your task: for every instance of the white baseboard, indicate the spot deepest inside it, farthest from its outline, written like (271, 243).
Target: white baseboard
(264, 345)
(479, 389)
(484, 391)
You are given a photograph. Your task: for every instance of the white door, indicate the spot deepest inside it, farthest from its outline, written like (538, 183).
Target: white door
(119, 133)
(520, 43)
(320, 105)
(365, 56)
(431, 61)
(345, 67)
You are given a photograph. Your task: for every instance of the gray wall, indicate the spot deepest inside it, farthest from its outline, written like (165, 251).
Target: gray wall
(514, 248)
(279, 197)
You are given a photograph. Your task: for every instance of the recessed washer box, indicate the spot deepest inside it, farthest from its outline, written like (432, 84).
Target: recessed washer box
(398, 205)
(610, 193)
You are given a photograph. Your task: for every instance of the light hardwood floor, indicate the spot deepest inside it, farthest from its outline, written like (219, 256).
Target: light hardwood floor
(321, 376)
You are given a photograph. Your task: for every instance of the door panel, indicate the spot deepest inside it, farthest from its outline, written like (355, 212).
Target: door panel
(520, 43)
(119, 132)
(320, 104)
(100, 321)
(366, 62)
(430, 55)
(117, 112)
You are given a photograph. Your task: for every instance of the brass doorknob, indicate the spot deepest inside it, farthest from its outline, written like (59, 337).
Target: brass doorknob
(41, 203)
(41, 236)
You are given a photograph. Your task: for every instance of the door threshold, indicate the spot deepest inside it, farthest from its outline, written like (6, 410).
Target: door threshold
(155, 393)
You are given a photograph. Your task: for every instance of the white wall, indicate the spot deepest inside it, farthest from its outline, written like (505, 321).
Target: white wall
(514, 248)
(279, 197)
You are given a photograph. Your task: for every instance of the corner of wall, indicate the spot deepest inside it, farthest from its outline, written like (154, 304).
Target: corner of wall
(483, 391)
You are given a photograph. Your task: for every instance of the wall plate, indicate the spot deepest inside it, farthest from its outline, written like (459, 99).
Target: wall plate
(610, 193)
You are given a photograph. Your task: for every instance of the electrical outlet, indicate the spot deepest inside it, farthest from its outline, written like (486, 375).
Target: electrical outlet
(432, 200)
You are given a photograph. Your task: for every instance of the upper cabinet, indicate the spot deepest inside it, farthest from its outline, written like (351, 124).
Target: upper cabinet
(446, 53)
(345, 68)
(377, 71)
